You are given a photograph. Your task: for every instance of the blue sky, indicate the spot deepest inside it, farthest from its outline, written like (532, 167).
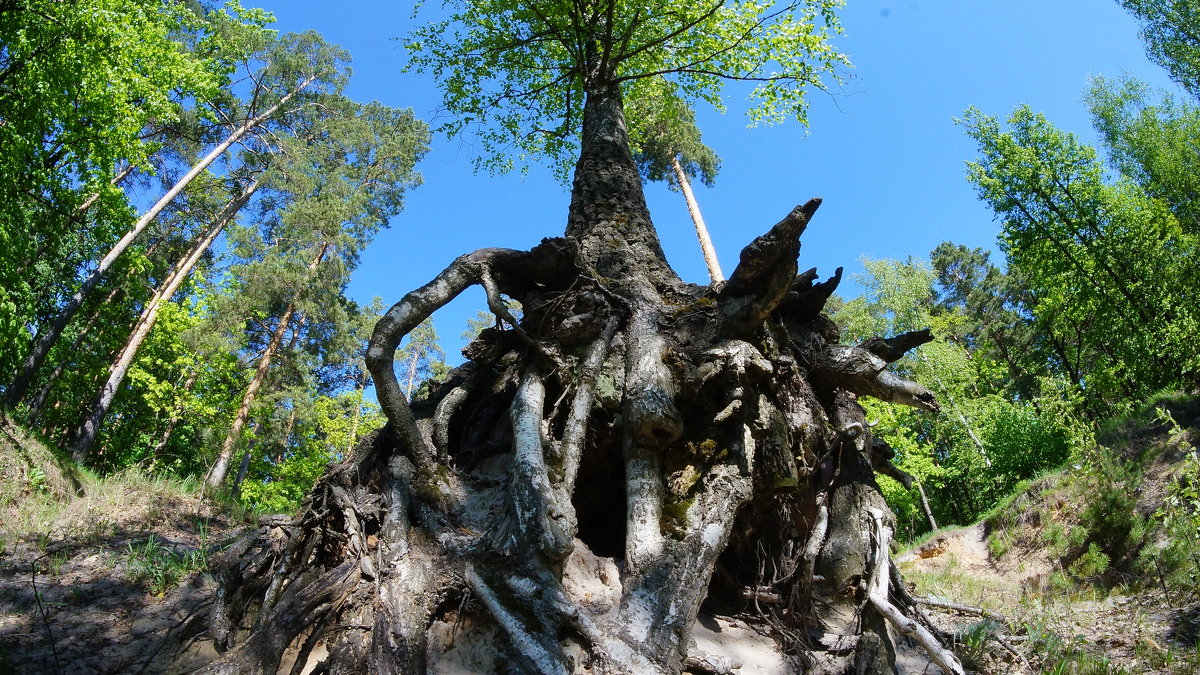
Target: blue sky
(884, 151)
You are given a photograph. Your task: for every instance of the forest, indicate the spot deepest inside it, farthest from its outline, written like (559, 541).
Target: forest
(619, 456)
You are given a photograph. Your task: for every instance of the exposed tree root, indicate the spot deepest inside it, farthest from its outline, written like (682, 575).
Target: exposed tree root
(630, 450)
(878, 592)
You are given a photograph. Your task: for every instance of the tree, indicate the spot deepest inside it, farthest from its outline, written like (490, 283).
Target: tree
(667, 146)
(965, 461)
(1152, 144)
(1170, 31)
(88, 428)
(998, 321)
(339, 183)
(422, 358)
(79, 84)
(294, 64)
(628, 416)
(1109, 265)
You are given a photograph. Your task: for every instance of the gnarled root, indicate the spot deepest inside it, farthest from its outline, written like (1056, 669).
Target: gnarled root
(878, 593)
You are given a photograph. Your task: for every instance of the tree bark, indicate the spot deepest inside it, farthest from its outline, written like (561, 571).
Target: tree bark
(354, 420)
(49, 335)
(925, 507)
(635, 452)
(706, 246)
(235, 490)
(89, 427)
(71, 221)
(216, 475)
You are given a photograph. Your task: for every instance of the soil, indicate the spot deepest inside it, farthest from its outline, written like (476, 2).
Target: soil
(74, 598)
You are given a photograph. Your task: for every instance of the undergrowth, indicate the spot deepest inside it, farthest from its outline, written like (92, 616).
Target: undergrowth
(161, 566)
(1119, 524)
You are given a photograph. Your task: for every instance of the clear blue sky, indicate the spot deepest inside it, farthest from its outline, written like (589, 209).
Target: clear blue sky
(884, 152)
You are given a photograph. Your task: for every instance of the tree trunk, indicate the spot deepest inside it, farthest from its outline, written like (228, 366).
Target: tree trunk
(357, 416)
(925, 507)
(216, 474)
(632, 454)
(85, 434)
(710, 254)
(71, 222)
(235, 490)
(412, 373)
(43, 392)
(49, 334)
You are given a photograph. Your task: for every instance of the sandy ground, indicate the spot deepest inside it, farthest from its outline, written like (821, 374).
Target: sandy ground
(1130, 631)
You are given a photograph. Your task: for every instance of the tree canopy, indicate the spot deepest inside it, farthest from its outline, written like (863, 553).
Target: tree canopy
(514, 74)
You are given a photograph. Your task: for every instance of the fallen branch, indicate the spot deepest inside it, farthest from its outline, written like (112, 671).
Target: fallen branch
(965, 609)
(1011, 650)
(877, 591)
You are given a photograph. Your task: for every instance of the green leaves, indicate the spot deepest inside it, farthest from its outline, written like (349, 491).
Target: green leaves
(1169, 29)
(662, 131)
(1153, 143)
(1106, 263)
(514, 73)
(80, 83)
(986, 438)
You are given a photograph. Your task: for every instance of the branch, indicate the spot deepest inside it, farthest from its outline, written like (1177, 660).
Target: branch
(670, 36)
(862, 372)
(406, 315)
(891, 349)
(805, 299)
(965, 609)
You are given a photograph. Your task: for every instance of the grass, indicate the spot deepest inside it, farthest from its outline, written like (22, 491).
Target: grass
(161, 566)
(925, 537)
(50, 510)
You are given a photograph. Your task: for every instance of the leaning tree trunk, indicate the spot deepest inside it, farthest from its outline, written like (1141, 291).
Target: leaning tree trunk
(632, 454)
(89, 427)
(48, 335)
(216, 474)
(706, 245)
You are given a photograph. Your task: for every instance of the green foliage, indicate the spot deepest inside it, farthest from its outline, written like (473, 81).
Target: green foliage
(1106, 263)
(80, 83)
(179, 389)
(1150, 142)
(663, 133)
(1091, 564)
(1063, 655)
(972, 642)
(283, 470)
(514, 74)
(1175, 560)
(985, 440)
(1169, 31)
